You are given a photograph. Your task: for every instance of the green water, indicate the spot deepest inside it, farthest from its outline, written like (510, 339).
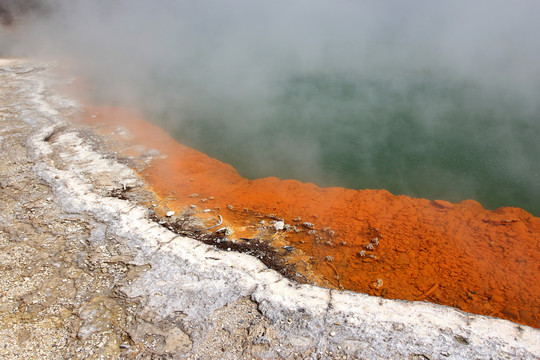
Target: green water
(422, 135)
(438, 100)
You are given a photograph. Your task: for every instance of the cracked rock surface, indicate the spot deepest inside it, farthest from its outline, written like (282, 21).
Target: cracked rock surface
(85, 275)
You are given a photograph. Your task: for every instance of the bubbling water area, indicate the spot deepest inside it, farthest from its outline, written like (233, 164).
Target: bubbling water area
(370, 241)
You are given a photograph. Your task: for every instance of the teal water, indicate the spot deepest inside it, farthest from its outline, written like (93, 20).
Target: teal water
(438, 100)
(423, 135)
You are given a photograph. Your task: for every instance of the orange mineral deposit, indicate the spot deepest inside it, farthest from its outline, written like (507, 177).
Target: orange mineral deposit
(370, 241)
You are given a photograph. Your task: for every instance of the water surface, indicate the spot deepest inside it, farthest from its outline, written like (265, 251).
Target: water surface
(422, 134)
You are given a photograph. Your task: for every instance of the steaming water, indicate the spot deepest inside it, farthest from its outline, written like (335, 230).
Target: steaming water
(433, 99)
(422, 134)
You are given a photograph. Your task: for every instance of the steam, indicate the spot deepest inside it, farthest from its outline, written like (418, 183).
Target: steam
(353, 93)
(10, 10)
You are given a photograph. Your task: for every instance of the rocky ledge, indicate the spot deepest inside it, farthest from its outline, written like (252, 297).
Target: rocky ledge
(89, 275)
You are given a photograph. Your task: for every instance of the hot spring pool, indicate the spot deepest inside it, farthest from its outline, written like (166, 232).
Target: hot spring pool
(424, 135)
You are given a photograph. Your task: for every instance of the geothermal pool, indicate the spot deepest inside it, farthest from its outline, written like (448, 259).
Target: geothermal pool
(438, 100)
(436, 103)
(420, 134)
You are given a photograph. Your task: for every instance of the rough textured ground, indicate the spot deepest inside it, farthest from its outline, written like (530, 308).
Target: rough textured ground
(485, 262)
(85, 274)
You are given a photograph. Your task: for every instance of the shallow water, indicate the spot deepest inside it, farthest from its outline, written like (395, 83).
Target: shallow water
(422, 134)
